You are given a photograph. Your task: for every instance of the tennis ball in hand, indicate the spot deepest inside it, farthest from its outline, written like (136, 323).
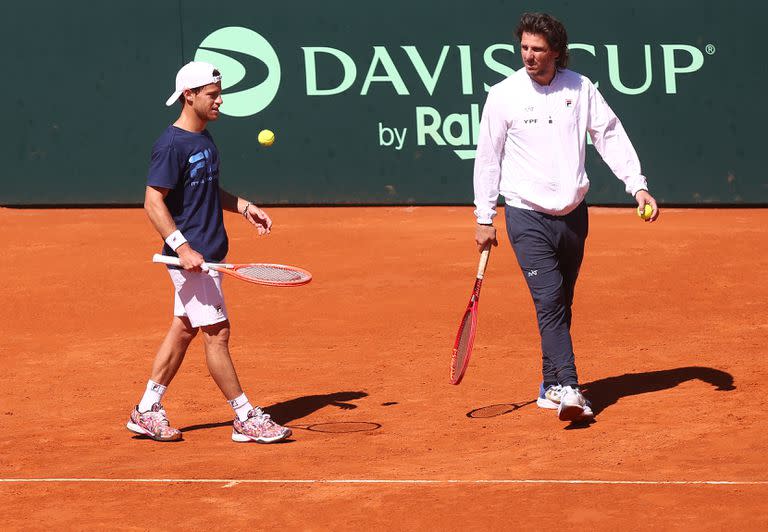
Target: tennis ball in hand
(646, 212)
(266, 137)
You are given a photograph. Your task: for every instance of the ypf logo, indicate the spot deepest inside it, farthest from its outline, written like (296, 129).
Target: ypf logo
(243, 57)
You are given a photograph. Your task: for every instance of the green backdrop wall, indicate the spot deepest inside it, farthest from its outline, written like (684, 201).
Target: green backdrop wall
(370, 103)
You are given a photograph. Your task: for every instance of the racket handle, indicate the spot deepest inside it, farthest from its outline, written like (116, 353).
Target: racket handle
(483, 261)
(174, 261)
(164, 259)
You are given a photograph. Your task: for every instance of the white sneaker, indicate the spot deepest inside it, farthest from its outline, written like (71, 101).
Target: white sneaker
(550, 397)
(573, 406)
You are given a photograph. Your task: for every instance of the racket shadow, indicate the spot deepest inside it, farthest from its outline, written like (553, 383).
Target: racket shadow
(496, 410)
(293, 409)
(338, 427)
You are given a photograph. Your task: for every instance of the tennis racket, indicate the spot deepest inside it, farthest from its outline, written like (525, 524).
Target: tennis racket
(268, 274)
(462, 349)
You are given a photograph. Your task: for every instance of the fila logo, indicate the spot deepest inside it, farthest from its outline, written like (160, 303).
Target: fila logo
(530, 120)
(531, 273)
(234, 403)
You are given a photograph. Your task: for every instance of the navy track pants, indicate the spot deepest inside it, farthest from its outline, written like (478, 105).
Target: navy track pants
(549, 250)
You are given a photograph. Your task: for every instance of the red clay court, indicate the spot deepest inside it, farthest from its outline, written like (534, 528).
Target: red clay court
(670, 330)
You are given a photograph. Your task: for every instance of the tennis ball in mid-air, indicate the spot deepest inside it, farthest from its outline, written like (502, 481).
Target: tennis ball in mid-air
(266, 137)
(646, 212)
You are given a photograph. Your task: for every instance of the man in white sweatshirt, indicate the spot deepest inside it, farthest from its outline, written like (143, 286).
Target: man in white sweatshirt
(531, 150)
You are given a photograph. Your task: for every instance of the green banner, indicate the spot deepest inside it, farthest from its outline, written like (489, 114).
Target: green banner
(370, 104)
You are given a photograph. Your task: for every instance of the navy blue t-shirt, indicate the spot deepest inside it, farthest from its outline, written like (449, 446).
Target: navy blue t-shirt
(187, 164)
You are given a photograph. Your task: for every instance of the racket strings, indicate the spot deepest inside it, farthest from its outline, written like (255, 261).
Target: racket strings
(464, 338)
(271, 273)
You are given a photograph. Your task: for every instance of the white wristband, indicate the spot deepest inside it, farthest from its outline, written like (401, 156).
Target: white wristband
(175, 239)
(245, 210)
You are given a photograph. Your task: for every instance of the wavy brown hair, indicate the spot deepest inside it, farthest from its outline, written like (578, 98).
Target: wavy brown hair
(552, 30)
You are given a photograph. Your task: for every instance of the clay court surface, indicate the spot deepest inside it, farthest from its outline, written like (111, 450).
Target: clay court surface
(670, 329)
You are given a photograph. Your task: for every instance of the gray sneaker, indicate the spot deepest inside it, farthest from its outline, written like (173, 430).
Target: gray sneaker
(573, 406)
(549, 398)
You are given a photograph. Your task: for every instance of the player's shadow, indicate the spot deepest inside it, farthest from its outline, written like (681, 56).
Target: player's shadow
(606, 392)
(287, 411)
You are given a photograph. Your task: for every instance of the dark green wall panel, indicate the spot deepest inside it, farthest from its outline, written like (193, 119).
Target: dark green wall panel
(88, 80)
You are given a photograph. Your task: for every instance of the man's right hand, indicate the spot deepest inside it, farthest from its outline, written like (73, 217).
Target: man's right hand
(484, 235)
(190, 259)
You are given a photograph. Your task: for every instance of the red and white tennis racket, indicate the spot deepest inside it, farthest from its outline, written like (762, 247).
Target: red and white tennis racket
(267, 274)
(462, 348)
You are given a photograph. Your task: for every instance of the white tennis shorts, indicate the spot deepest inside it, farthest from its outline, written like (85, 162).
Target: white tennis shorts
(198, 296)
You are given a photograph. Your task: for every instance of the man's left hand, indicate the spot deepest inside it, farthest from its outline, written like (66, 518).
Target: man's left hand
(259, 219)
(644, 198)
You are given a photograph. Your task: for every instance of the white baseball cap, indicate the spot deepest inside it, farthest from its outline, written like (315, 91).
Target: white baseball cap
(191, 76)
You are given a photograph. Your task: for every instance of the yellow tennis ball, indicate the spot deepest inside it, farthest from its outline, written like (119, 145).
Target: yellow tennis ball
(646, 212)
(266, 137)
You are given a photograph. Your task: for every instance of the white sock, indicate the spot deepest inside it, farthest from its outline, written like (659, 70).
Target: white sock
(153, 394)
(241, 406)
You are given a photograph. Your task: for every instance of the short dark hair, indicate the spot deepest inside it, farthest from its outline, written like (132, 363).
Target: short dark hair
(552, 30)
(196, 89)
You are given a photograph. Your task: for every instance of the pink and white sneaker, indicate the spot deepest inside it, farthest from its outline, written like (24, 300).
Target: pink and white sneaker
(153, 424)
(259, 428)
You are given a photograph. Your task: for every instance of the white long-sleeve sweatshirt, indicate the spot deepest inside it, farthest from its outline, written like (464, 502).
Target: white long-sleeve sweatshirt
(532, 141)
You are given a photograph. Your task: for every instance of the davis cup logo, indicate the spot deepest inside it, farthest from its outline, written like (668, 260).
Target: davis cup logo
(243, 57)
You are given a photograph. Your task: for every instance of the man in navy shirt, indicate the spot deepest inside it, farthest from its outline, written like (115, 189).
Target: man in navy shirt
(185, 204)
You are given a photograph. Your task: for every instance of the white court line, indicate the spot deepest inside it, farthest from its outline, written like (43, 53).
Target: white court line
(230, 482)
